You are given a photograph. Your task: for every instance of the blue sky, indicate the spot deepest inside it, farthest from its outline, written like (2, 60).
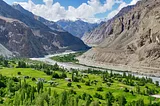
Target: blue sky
(64, 3)
(90, 10)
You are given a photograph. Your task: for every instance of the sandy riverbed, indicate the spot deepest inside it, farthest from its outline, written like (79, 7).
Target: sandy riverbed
(149, 71)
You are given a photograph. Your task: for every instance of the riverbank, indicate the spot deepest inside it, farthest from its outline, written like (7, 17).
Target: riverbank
(85, 65)
(147, 71)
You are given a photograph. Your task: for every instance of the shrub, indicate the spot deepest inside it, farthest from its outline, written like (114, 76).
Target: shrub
(99, 96)
(21, 64)
(141, 83)
(19, 73)
(26, 77)
(87, 83)
(109, 84)
(72, 91)
(79, 86)
(84, 96)
(48, 72)
(157, 83)
(63, 75)
(126, 90)
(110, 80)
(99, 89)
(83, 81)
(1, 100)
(122, 101)
(69, 84)
(132, 92)
(15, 79)
(55, 75)
(75, 79)
(33, 79)
(2, 85)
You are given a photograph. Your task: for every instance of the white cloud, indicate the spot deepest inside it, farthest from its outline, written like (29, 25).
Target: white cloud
(48, 2)
(56, 12)
(122, 5)
(114, 12)
(134, 2)
(85, 11)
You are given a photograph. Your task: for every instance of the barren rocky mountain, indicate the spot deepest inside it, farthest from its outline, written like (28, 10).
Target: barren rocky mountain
(18, 38)
(29, 37)
(77, 28)
(97, 35)
(131, 40)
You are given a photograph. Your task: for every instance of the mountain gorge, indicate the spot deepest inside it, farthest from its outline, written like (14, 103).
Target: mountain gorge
(77, 28)
(28, 35)
(130, 40)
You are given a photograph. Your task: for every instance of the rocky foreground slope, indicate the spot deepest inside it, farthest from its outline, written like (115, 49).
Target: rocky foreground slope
(26, 36)
(131, 40)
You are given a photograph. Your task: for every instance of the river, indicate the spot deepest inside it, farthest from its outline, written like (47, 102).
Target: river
(47, 60)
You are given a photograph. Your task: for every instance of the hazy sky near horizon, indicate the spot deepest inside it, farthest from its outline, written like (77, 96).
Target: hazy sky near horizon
(89, 10)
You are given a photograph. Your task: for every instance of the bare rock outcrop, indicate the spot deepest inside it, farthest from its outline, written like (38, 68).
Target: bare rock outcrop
(18, 38)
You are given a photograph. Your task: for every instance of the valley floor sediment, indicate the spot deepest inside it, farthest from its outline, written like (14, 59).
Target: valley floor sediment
(148, 71)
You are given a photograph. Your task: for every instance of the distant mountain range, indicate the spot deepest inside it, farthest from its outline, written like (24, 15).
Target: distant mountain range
(27, 35)
(77, 28)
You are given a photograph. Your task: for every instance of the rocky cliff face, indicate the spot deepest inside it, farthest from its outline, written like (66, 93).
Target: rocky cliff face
(77, 28)
(131, 40)
(97, 35)
(19, 39)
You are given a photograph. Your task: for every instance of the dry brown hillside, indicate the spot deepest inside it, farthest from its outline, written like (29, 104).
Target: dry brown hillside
(131, 40)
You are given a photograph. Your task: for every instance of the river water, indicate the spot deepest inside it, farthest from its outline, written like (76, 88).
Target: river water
(47, 60)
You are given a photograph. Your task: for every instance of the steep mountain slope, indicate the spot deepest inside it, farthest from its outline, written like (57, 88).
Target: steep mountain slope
(96, 36)
(7, 11)
(52, 25)
(77, 28)
(18, 38)
(131, 40)
(45, 39)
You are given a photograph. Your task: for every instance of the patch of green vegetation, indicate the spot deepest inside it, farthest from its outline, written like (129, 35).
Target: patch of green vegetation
(68, 57)
(39, 84)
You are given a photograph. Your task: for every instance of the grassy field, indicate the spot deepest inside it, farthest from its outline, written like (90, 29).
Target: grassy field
(117, 88)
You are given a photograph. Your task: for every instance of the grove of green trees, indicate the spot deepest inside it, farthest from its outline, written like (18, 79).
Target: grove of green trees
(86, 88)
